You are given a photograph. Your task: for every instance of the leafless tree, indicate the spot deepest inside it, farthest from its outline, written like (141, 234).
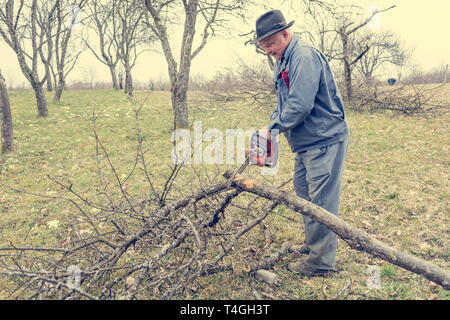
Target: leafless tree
(46, 17)
(252, 83)
(121, 37)
(343, 39)
(130, 36)
(18, 24)
(318, 29)
(65, 59)
(385, 48)
(103, 23)
(212, 14)
(417, 75)
(5, 118)
(41, 32)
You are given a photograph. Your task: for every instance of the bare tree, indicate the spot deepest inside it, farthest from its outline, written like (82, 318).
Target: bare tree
(210, 12)
(65, 59)
(339, 27)
(18, 23)
(121, 35)
(102, 22)
(5, 118)
(318, 29)
(385, 48)
(346, 29)
(252, 83)
(46, 16)
(130, 36)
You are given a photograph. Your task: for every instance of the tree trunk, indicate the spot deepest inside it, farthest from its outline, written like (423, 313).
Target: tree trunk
(49, 78)
(346, 63)
(356, 239)
(179, 105)
(112, 70)
(59, 89)
(348, 79)
(47, 61)
(33, 79)
(5, 118)
(120, 80)
(40, 99)
(128, 82)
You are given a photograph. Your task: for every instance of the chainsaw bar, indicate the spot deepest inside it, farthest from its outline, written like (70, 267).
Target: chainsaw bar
(238, 171)
(263, 153)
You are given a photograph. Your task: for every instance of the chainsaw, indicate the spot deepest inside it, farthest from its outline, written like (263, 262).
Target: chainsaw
(263, 152)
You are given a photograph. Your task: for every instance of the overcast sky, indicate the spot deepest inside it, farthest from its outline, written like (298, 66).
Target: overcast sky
(423, 25)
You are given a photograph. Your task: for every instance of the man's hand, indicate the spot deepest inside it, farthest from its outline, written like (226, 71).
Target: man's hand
(263, 148)
(264, 132)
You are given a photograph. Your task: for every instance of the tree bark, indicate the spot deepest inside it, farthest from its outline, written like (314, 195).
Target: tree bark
(356, 239)
(348, 80)
(33, 79)
(40, 99)
(112, 70)
(120, 82)
(48, 78)
(346, 64)
(128, 83)
(5, 118)
(179, 106)
(128, 80)
(59, 89)
(61, 42)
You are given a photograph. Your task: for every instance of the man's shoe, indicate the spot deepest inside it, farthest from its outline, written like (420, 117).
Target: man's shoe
(301, 250)
(302, 268)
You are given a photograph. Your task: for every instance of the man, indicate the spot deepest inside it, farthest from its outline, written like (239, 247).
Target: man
(310, 113)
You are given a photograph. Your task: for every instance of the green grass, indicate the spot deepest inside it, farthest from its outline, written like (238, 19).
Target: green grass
(395, 185)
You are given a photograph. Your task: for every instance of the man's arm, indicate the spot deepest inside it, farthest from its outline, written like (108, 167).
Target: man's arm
(274, 114)
(304, 78)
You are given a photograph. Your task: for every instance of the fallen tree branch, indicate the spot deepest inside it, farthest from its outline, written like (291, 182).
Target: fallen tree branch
(356, 239)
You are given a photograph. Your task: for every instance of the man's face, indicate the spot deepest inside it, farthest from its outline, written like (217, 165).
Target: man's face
(275, 44)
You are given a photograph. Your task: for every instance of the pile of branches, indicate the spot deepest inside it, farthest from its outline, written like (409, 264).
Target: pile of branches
(254, 86)
(409, 99)
(116, 245)
(138, 251)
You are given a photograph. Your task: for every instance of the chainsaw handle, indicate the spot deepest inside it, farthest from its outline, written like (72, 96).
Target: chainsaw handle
(263, 150)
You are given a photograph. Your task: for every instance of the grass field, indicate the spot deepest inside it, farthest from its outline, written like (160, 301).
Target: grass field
(395, 186)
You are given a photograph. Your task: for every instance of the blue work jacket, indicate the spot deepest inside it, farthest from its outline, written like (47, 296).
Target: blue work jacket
(310, 111)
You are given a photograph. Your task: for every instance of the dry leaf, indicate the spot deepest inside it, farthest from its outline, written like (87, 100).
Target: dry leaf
(53, 224)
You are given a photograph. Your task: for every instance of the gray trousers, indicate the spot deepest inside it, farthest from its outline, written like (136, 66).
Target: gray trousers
(317, 178)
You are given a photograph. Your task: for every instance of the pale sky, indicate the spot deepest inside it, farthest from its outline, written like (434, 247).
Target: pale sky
(423, 25)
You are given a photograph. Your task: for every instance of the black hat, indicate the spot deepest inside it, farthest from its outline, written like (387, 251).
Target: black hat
(269, 23)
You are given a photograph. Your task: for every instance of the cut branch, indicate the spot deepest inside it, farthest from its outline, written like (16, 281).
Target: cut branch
(356, 239)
